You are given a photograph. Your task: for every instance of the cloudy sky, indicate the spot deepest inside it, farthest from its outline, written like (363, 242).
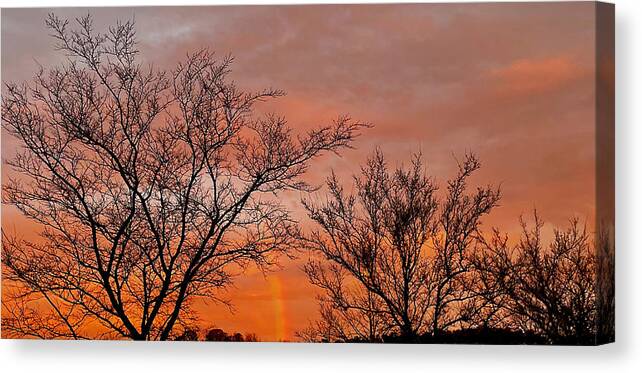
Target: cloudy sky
(511, 82)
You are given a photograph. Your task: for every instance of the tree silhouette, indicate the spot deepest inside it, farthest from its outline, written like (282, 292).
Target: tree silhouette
(605, 282)
(397, 251)
(451, 279)
(214, 335)
(188, 335)
(548, 290)
(152, 187)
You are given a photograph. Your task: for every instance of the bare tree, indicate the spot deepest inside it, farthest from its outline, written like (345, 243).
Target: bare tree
(152, 187)
(546, 289)
(400, 243)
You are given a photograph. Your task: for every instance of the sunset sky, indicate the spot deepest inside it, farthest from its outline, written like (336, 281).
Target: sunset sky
(513, 83)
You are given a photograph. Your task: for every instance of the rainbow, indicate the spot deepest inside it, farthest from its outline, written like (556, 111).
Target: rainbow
(276, 290)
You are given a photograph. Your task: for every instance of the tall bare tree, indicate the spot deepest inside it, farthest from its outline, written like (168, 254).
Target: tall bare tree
(152, 187)
(400, 242)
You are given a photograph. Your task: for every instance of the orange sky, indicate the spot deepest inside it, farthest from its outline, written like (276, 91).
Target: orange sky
(512, 82)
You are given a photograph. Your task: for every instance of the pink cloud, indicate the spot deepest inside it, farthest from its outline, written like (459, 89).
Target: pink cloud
(538, 76)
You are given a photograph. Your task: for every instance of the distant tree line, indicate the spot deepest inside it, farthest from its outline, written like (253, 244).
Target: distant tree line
(214, 335)
(397, 261)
